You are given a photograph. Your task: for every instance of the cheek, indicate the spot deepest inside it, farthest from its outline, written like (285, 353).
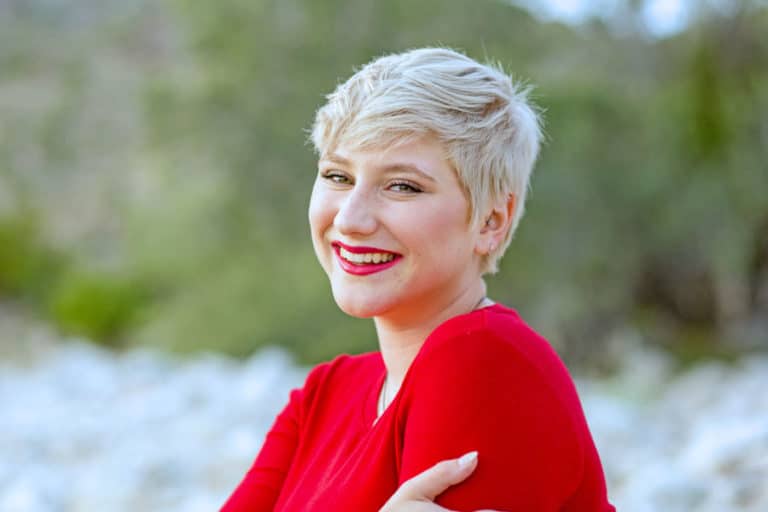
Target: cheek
(449, 235)
(447, 224)
(320, 212)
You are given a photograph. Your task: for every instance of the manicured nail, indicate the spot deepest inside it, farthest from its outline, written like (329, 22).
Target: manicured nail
(467, 459)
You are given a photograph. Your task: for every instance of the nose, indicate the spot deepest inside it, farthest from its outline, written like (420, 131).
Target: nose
(356, 214)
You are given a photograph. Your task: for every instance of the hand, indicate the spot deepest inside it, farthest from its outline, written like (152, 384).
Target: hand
(418, 494)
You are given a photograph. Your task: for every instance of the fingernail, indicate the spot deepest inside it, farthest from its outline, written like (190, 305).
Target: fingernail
(467, 459)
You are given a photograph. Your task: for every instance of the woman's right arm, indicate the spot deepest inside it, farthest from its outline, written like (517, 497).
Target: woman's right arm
(261, 486)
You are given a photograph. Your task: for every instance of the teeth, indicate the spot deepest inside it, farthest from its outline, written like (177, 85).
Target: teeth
(369, 257)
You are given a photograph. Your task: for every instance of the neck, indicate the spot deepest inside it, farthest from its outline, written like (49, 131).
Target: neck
(401, 336)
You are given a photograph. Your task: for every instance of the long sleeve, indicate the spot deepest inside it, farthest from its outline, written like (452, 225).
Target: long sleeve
(262, 484)
(319, 452)
(515, 403)
(482, 382)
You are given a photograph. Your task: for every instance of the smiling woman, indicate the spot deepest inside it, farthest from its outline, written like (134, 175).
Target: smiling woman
(408, 200)
(424, 163)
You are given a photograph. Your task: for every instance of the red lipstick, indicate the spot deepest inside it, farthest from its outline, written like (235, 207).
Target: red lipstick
(362, 269)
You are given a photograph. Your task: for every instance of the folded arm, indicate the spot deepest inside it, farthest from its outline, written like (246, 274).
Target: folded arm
(495, 400)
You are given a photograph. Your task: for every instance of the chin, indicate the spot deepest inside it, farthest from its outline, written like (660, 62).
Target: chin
(359, 308)
(357, 312)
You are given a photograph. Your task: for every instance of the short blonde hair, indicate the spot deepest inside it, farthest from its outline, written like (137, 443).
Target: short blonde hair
(484, 120)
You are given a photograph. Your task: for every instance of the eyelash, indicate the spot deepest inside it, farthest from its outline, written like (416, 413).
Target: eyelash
(341, 179)
(334, 177)
(411, 187)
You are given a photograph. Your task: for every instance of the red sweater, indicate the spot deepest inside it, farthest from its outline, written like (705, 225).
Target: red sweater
(482, 381)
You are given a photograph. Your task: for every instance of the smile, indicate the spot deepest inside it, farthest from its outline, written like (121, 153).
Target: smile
(363, 260)
(368, 257)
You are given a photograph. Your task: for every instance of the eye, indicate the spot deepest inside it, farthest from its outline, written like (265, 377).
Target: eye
(404, 186)
(335, 177)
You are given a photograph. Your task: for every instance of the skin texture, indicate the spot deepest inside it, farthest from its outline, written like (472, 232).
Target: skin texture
(405, 200)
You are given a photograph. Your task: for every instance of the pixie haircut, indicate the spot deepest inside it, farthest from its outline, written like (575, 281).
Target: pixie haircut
(490, 131)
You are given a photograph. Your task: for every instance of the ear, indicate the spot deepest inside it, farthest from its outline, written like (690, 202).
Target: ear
(495, 225)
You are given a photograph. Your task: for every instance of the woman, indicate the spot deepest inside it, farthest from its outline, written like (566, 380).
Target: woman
(424, 163)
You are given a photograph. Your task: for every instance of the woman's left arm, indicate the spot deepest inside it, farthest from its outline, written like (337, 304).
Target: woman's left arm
(483, 394)
(418, 494)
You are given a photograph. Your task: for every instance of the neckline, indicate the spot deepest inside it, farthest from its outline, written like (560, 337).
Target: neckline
(376, 392)
(371, 418)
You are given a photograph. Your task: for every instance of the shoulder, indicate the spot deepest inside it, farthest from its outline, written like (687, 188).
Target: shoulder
(496, 338)
(342, 370)
(486, 381)
(332, 386)
(493, 351)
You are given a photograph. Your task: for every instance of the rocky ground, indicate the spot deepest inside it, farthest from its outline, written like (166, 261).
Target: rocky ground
(85, 429)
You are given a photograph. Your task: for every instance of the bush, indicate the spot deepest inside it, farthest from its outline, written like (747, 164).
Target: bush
(100, 306)
(27, 265)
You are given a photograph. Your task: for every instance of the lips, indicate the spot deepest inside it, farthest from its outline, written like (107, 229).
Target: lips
(359, 260)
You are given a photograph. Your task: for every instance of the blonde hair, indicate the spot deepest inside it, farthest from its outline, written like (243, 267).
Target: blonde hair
(484, 120)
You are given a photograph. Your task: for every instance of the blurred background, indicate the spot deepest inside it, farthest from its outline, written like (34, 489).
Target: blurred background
(154, 181)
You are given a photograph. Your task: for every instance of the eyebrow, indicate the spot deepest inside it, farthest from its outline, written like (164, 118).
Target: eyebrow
(333, 157)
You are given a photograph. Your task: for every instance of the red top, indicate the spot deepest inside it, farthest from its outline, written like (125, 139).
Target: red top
(482, 381)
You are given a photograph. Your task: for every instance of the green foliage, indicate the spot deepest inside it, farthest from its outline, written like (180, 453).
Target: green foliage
(643, 174)
(647, 208)
(27, 264)
(100, 306)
